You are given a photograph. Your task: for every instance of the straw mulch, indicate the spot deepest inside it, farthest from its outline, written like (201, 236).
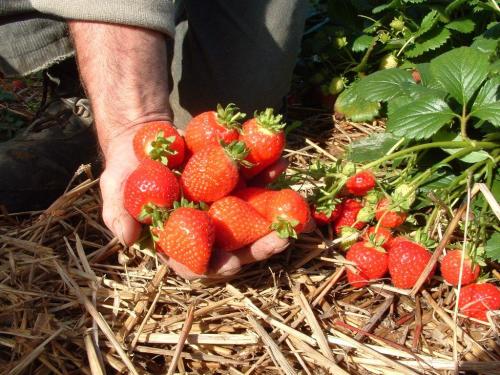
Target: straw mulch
(74, 301)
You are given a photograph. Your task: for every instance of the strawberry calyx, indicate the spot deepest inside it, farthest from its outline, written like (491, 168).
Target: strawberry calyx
(267, 120)
(157, 214)
(237, 151)
(160, 148)
(186, 203)
(230, 116)
(285, 227)
(349, 236)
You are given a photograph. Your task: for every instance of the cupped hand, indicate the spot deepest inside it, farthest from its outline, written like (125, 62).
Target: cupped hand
(120, 162)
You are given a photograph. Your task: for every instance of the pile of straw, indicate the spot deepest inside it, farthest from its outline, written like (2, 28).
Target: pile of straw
(75, 301)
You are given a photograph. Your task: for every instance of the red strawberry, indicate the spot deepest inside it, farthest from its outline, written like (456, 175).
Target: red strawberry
(348, 216)
(265, 139)
(371, 263)
(322, 218)
(477, 299)
(160, 141)
(212, 173)
(361, 183)
(378, 236)
(389, 218)
(237, 224)
(211, 127)
(150, 185)
(450, 268)
(18, 85)
(240, 185)
(288, 212)
(407, 260)
(257, 197)
(395, 241)
(319, 217)
(187, 236)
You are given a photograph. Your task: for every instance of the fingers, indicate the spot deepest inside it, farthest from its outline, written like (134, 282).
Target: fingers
(120, 162)
(271, 173)
(228, 263)
(116, 218)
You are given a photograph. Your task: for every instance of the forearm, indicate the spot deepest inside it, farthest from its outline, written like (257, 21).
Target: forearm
(124, 72)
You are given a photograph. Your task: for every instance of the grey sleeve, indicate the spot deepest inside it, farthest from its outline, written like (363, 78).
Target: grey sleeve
(151, 14)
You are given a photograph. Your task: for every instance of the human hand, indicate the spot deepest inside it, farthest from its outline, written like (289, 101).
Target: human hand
(120, 162)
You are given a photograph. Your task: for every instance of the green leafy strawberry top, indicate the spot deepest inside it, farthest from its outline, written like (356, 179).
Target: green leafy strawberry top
(269, 121)
(230, 116)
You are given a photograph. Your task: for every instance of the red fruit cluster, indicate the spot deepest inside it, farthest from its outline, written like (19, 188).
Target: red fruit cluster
(214, 164)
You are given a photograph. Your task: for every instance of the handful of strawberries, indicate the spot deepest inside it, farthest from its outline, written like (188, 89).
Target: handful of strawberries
(193, 191)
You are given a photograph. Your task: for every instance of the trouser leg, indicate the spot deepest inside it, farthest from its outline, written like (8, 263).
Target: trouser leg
(234, 51)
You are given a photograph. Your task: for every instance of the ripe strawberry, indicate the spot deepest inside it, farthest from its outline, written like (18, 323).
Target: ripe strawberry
(348, 216)
(361, 183)
(407, 260)
(212, 173)
(450, 268)
(371, 263)
(319, 217)
(240, 185)
(237, 224)
(288, 212)
(160, 141)
(322, 218)
(18, 85)
(211, 127)
(389, 218)
(149, 186)
(257, 197)
(187, 236)
(477, 299)
(378, 236)
(265, 139)
(393, 242)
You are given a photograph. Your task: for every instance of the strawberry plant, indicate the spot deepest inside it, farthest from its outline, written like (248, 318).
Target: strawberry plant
(346, 40)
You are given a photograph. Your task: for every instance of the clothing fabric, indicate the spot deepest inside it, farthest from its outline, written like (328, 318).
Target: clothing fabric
(221, 51)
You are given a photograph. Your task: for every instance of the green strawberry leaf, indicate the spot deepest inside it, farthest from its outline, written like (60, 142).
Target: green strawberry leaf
(390, 5)
(489, 93)
(432, 41)
(461, 71)
(488, 112)
(371, 147)
(487, 105)
(361, 43)
(455, 4)
(385, 84)
(492, 250)
(427, 23)
(489, 41)
(356, 108)
(463, 25)
(420, 119)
